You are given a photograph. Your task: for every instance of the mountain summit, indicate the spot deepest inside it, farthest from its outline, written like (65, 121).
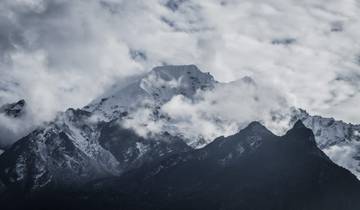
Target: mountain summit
(153, 89)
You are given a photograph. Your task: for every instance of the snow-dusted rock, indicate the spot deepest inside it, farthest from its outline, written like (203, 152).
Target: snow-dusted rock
(93, 142)
(64, 152)
(81, 145)
(132, 150)
(16, 109)
(154, 89)
(339, 140)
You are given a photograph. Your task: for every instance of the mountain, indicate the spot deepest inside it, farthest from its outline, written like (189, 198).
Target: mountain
(132, 151)
(63, 153)
(84, 144)
(339, 140)
(72, 151)
(152, 90)
(253, 169)
(81, 145)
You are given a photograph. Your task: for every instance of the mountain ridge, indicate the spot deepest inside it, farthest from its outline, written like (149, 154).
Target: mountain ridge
(78, 134)
(281, 172)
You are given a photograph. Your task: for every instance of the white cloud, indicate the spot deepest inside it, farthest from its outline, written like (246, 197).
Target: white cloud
(343, 155)
(224, 110)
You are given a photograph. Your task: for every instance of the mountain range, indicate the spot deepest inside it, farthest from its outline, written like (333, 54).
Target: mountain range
(91, 156)
(253, 169)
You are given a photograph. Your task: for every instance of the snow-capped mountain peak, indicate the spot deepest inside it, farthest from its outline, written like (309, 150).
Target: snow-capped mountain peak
(339, 140)
(153, 89)
(328, 130)
(166, 81)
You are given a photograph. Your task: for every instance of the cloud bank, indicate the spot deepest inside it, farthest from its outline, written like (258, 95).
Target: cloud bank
(222, 111)
(58, 54)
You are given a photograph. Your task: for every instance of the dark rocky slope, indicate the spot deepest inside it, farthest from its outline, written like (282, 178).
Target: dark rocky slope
(253, 169)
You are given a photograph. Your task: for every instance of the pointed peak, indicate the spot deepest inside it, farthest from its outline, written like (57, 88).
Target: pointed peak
(303, 111)
(257, 127)
(255, 124)
(176, 67)
(184, 78)
(299, 124)
(182, 70)
(301, 133)
(158, 86)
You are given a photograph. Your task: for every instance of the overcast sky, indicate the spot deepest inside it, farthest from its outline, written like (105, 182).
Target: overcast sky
(62, 53)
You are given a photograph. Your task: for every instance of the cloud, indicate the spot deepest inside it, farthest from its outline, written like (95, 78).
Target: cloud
(224, 110)
(345, 156)
(13, 129)
(308, 68)
(58, 54)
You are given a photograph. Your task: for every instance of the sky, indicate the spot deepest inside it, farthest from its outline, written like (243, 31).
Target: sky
(60, 53)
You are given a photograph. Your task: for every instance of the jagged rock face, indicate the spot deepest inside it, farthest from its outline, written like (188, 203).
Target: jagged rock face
(253, 169)
(270, 172)
(77, 147)
(153, 90)
(329, 131)
(132, 151)
(37, 161)
(14, 110)
(63, 153)
(74, 150)
(227, 149)
(185, 80)
(339, 140)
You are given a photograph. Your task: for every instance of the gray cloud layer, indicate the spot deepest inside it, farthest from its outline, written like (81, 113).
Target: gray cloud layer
(58, 54)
